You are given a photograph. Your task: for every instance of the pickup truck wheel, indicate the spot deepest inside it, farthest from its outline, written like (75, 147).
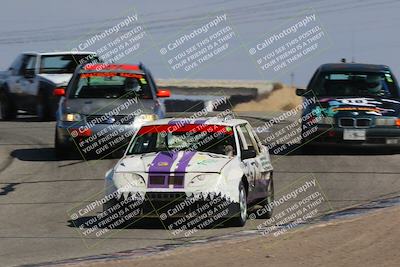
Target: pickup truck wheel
(7, 112)
(240, 220)
(42, 107)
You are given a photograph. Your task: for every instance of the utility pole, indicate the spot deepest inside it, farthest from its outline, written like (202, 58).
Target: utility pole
(352, 46)
(292, 79)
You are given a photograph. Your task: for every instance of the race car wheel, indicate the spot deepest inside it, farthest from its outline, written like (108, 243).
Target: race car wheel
(62, 151)
(7, 112)
(266, 211)
(240, 220)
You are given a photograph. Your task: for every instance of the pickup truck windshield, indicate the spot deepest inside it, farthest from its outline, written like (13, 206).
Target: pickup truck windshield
(111, 85)
(356, 84)
(63, 63)
(215, 139)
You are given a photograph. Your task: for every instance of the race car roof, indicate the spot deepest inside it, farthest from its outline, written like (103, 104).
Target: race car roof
(201, 120)
(353, 67)
(60, 53)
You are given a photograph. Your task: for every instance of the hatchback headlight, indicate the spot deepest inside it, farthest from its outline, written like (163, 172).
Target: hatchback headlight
(72, 117)
(143, 118)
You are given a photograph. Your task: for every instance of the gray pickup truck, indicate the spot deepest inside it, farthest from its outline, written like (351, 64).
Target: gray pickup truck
(28, 85)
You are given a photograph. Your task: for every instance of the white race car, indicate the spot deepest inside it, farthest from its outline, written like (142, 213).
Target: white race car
(188, 167)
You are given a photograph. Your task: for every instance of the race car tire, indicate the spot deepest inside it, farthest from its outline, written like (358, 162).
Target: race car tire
(240, 220)
(264, 212)
(61, 151)
(7, 110)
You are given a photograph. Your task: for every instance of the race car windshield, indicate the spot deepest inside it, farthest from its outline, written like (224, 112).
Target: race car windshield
(356, 84)
(206, 138)
(53, 64)
(110, 85)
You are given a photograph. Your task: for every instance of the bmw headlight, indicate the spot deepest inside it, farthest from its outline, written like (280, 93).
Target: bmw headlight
(387, 121)
(326, 120)
(72, 117)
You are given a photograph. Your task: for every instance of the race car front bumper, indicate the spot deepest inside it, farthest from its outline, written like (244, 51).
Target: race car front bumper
(99, 139)
(169, 205)
(374, 136)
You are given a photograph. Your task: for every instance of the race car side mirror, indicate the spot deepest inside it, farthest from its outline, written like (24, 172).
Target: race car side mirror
(300, 91)
(163, 93)
(248, 154)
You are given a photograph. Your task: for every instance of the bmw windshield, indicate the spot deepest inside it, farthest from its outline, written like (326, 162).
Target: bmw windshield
(356, 84)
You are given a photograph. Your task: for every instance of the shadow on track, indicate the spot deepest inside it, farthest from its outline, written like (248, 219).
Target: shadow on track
(139, 223)
(49, 154)
(35, 154)
(296, 150)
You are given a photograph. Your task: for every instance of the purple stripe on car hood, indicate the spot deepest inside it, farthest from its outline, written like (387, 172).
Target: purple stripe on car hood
(184, 161)
(162, 164)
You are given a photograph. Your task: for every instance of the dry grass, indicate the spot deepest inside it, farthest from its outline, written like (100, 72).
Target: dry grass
(282, 98)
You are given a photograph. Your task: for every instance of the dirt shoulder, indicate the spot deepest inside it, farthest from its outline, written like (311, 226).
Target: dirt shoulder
(369, 240)
(282, 98)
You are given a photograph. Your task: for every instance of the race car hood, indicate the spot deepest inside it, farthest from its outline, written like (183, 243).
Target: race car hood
(174, 162)
(61, 79)
(101, 106)
(348, 106)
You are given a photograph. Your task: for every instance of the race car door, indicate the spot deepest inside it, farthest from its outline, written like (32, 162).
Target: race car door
(249, 153)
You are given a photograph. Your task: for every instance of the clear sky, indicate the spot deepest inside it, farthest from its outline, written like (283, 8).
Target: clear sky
(364, 30)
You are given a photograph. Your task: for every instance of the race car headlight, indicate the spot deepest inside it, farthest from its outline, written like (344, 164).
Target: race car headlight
(143, 118)
(72, 117)
(198, 179)
(129, 180)
(326, 120)
(387, 121)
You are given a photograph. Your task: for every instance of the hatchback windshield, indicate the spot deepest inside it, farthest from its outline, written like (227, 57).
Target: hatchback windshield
(111, 85)
(356, 84)
(206, 138)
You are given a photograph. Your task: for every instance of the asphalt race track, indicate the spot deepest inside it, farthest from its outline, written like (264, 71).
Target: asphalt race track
(37, 190)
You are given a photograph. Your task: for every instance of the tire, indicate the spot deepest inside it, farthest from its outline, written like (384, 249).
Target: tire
(264, 213)
(240, 220)
(7, 110)
(62, 151)
(43, 107)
